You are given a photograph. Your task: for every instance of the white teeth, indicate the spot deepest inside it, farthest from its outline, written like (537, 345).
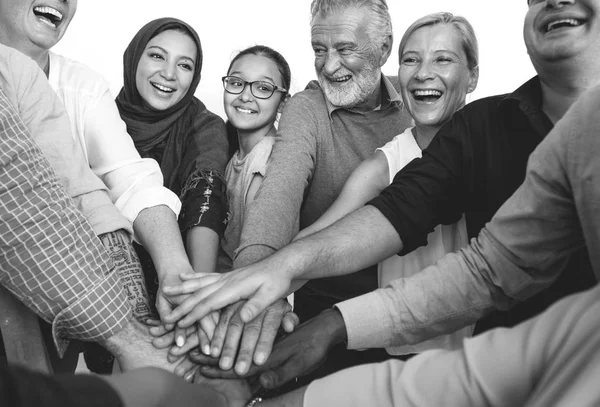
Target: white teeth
(428, 92)
(161, 87)
(568, 21)
(49, 10)
(246, 111)
(340, 79)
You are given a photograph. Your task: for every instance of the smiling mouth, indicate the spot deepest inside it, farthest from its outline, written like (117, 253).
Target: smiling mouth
(48, 15)
(340, 79)
(428, 95)
(162, 88)
(245, 111)
(565, 22)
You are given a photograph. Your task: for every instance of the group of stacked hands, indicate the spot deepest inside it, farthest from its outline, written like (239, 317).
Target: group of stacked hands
(515, 173)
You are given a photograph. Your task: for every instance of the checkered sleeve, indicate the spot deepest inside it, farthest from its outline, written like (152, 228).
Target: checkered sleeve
(50, 258)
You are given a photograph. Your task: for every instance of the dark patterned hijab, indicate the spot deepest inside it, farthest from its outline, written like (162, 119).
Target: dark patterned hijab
(159, 134)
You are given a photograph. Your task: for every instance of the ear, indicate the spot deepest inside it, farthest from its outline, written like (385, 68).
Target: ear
(283, 102)
(386, 50)
(473, 79)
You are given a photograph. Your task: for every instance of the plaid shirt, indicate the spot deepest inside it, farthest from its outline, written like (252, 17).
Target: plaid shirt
(50, 258)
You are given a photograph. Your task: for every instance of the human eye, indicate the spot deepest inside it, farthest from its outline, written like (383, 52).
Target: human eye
(155, 55)
(444, 60)
(264, 89)
(235, 82)
(319, 51)
(345, 51)
(186, 66)
(409, 60)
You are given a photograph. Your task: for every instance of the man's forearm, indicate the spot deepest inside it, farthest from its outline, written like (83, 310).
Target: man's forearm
(356, 241)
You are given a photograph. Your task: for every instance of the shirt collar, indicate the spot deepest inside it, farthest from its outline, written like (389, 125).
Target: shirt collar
(390, 95)
(528, 99)
(528, 96)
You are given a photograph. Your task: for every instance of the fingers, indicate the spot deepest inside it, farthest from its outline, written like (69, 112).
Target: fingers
(282, 374)
(203, 341)
(180, 336)
(257, 304)
(201, 359)
(290, 322)
(194, 276)
(268, 332)
(164, 308)
(189, 376)
(191, 285)
(208, 324)
(164, 341)
(158, 331)
(183, 367)
(250, 338)
(229, 333)
(191, 309)
(191, 342)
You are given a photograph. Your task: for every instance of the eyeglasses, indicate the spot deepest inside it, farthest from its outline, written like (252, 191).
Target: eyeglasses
(259, 89)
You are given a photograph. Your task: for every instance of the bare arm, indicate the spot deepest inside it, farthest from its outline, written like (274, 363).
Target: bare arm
(364, 184)
(203, 247)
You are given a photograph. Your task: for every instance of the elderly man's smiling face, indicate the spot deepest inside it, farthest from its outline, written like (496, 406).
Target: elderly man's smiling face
(347, 62)
(33, 25)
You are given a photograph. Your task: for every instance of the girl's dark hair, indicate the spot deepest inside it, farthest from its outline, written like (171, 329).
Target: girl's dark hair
(286, 76)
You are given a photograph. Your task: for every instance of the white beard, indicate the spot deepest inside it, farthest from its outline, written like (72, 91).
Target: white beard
(355, 91)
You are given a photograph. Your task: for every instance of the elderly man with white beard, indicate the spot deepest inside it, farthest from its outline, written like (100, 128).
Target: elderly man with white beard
(324, 133)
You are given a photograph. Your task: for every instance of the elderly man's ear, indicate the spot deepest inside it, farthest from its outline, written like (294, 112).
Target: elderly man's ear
(385, 49)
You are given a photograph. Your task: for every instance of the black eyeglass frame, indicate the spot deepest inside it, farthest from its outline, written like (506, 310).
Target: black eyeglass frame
(276, 88)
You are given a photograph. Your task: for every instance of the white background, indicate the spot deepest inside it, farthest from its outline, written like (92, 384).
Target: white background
(101, 30)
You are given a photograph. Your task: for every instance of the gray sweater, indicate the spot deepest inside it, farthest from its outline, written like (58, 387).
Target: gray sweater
(317, 149)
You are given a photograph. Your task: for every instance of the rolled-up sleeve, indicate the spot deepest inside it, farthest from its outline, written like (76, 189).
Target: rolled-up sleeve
(134, 183)
(204, 198)
(51, 260)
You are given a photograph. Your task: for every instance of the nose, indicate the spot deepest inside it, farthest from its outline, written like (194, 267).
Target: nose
(424, 72)
(168, 71)
(332, 62)
(246, 95)
(558, 3)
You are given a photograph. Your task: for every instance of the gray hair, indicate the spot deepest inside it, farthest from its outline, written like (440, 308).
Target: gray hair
(380, 27)
(468, 38)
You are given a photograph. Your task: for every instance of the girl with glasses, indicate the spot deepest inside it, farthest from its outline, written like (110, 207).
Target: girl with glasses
(255, 90)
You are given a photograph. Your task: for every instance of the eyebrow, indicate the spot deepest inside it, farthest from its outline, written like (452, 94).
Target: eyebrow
(437, 50)
(167, 52)
(233, 73)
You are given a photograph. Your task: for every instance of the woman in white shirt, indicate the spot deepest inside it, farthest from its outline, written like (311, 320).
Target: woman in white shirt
(438, 68)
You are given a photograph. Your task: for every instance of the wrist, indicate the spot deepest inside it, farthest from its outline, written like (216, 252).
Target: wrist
(334, 321)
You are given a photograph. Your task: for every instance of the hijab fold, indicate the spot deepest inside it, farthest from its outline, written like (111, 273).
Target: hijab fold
(160, 134)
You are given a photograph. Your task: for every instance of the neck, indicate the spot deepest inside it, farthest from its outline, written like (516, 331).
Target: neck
(248, 139)
(424, 134)
(561, 86)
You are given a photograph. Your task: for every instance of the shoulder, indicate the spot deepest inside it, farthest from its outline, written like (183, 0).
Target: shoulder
(72, 75)
(260, 155)
(481, 114)
(205, 117)
(11, 58)
(304, 107)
